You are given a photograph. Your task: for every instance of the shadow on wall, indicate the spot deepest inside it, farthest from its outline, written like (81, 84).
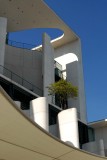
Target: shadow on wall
(70, 143)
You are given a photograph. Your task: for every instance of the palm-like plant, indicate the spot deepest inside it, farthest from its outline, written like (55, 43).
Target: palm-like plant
(63, 90)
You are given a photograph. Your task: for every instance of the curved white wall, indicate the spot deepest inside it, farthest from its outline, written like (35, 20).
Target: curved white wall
(96, 147)
(68, 126)
(39, 112)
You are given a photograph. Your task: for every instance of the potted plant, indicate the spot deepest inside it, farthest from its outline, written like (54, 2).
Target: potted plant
(63, 89)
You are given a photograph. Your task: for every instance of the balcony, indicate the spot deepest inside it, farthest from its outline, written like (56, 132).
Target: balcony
(19, 80)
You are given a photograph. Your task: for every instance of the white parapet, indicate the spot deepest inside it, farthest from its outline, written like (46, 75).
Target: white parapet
(39, 112)
(68, 126)
(96, 147)
(91, 147)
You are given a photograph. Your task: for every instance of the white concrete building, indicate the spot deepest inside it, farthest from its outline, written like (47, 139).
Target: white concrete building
(25, 74)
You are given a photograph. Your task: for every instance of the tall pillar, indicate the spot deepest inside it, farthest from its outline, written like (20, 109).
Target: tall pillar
(48, 65)
(73, 76)
(3, 27)
(68, 126)
(39, 112)
(101, 147)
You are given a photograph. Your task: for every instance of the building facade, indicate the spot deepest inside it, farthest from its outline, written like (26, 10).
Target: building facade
(26, 73)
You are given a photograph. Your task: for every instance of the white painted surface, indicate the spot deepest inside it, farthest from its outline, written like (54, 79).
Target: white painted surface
(91, 147)
(101, 134)
(101, 147)
(39, 112)
(96, 147)
(68, 126)
(48, 65)
(3, 27)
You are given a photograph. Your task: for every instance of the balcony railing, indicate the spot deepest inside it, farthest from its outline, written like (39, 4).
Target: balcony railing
(57, 65)
(19, 44)
(16, 78)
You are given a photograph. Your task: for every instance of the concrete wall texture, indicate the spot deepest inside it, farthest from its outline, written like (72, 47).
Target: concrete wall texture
(72, 76)
(25, 63)
(3, 28)
(96, 147)
(101, 133)
(48, 65)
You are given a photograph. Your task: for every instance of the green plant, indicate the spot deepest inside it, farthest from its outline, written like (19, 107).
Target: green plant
(63, 90)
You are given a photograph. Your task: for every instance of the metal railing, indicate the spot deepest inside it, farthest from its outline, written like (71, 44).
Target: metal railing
(19, 44)
(57, 65)
(16, 78)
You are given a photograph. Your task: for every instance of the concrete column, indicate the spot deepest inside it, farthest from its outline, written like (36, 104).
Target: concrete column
(68, 126)
(72, 76)
(39, 112)
(48, 65)
(101, 147)
(3, 26)
(82, 101)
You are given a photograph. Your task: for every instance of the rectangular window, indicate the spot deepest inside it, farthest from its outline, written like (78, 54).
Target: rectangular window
(86, 133)
(53, 112)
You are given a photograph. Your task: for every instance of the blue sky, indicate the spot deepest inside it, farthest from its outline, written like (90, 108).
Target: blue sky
(88, 18)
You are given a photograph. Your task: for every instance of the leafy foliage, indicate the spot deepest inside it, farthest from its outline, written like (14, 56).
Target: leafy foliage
(63, 90)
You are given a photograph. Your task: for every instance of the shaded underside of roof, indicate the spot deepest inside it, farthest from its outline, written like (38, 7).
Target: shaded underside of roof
(98, 124)
(28, 14)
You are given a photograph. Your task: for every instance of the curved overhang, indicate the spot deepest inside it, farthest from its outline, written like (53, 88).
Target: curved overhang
(28, 14)
(98, 124)
(20, 138)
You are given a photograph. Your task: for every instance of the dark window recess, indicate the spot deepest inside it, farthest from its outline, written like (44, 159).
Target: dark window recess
(86, 133)
(58, 74)
(17, 93)
(58, 71)
(91, 134)
(83, 133)
(25, 105)
(53, 112)
(63, 104)
(57, 101)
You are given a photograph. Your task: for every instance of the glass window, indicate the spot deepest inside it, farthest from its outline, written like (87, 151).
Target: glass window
(53, 112)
